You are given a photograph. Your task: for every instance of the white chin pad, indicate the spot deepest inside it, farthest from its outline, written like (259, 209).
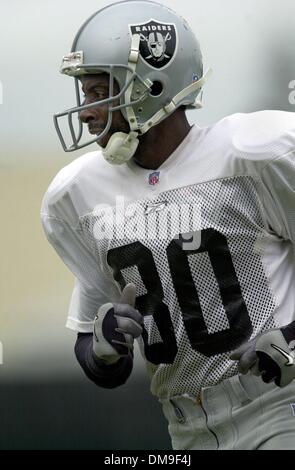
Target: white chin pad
(121, 147)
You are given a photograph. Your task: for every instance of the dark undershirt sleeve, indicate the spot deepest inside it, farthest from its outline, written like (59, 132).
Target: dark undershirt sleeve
(106, 376)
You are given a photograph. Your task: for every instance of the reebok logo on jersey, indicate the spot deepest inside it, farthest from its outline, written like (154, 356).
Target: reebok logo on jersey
(158, 42)
(156, 207)
(285, 354)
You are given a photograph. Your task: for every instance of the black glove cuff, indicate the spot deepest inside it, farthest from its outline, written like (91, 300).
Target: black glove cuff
(107, 376)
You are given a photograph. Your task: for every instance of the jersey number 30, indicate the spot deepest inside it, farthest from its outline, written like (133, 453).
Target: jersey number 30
(152, 303)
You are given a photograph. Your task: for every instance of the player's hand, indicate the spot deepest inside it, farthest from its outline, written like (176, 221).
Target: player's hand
(116, 326)
(268, 355)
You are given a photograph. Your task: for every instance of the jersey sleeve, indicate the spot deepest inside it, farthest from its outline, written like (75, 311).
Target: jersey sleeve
(278, 179)
(92, 287)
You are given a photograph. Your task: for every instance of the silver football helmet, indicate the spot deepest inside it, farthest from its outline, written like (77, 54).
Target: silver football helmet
(154, 57)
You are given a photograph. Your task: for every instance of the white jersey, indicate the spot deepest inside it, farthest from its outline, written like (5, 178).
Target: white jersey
(208, 239)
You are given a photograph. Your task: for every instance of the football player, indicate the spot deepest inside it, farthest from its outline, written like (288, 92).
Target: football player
(179, 237)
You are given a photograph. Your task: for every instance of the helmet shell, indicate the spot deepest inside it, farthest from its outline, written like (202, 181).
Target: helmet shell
(170, 54)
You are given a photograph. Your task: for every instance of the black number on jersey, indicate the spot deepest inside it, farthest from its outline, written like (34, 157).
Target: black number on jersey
(136, 254)
(209, 344)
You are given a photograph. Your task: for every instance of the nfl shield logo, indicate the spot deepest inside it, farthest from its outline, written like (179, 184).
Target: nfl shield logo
(158, 42)
(154, 178)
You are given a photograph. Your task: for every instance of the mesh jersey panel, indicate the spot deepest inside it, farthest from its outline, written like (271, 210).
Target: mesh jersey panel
(198, 303)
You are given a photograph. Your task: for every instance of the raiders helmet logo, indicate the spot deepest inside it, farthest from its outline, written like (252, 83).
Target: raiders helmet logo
(158, 42)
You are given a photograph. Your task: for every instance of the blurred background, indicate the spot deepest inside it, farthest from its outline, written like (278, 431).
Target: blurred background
(45, 401)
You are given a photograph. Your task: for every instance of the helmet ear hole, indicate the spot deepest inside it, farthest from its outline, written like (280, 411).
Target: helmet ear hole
(156, 88)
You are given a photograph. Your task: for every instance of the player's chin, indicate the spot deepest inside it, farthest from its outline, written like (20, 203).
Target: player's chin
(103, 142)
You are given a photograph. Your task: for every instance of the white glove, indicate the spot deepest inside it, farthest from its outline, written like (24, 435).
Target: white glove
(269, 355)
(116, 326)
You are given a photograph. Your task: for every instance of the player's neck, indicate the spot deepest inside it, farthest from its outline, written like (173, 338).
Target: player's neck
(160, 142)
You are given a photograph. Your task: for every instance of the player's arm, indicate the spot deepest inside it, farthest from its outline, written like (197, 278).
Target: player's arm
(106, 331)
(106, 356)
(271, 354)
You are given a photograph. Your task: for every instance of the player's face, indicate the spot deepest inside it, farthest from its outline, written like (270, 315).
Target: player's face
(96, 88)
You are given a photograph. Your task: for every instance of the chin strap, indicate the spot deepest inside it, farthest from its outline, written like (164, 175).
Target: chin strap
(121, 147)
(171, 107)
(132, 63)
